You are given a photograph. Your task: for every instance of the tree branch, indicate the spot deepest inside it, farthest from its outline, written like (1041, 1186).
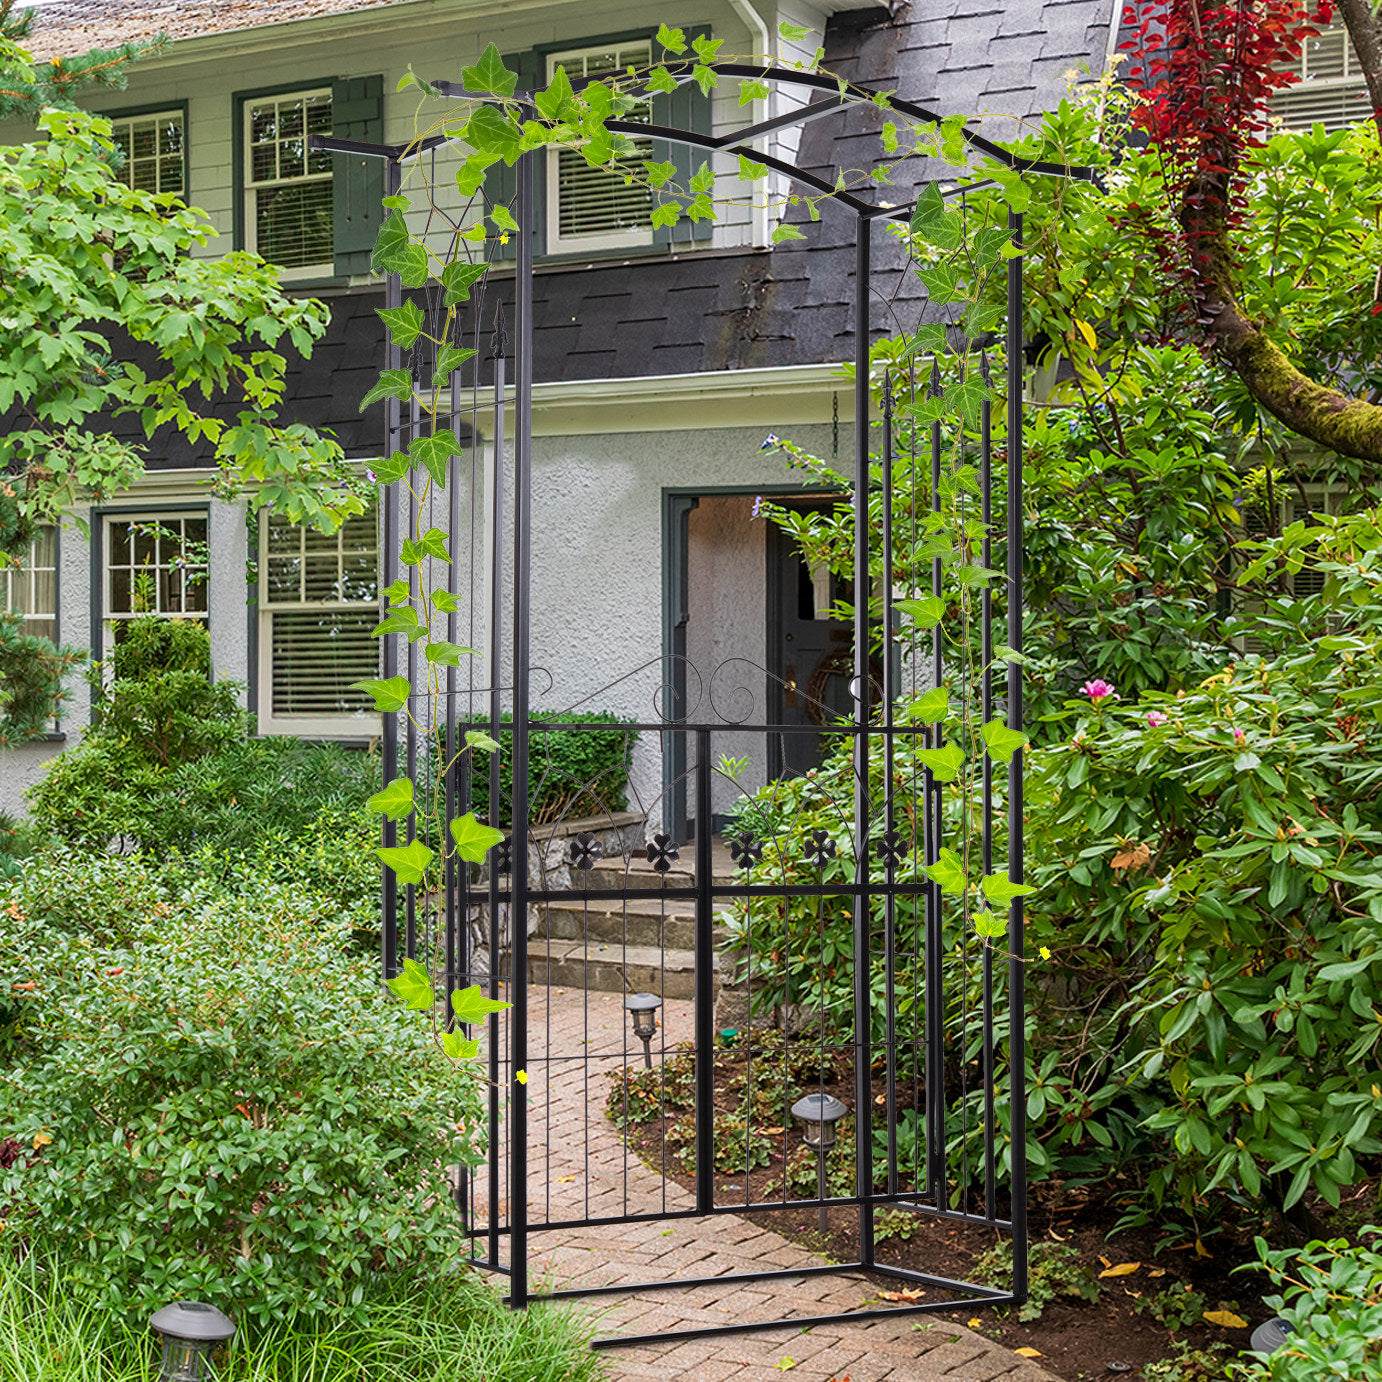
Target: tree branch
(1365, 31)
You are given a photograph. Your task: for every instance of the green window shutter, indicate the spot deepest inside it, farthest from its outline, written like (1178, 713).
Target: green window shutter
(357, 183)
(501, 181)
(686, 108)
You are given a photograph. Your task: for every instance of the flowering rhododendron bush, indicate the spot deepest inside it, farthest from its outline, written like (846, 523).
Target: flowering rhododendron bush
(1211, 897)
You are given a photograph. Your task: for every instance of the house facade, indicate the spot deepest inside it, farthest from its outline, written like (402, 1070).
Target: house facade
(662, 359)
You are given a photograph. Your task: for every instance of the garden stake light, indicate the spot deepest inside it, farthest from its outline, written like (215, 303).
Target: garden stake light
(190, 1331)
(818, 1114)
(642, 1009)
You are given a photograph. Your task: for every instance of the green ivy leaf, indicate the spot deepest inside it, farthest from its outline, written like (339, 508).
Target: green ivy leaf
(751, 170)
(705, 78)
(981, 317)
(703, 179)
(489, 75)
(394, 801)
(965, 397)
(659, 174)
(457, 278)
(948, 871)
(414, 986)
(929, 709)
(397, 591)
(786, 232)
(402, 620)
(707, 47)
(944, 763)
(1002, 742)
(388, 695)
(793, 33)
(1000, 889)
(990, 926)
(393, 383)
(978, 575)
(459, 1047)
(445, 601)
(449, 358)
(409, 862)
(889, 137)
(752, 90)
(472, 1007)
(674, 40)
(478, 739)
(925, 612)
(470, 177)
(433, 544)
(558, 103)
(503, 218)
(943, 284)
(447, 654)
(662, 80)
(935, 222)
(1003, 653)
(665, 214)
(404, 323)
(490, 132)
(434, 452)
(473, 840)
(395, 252)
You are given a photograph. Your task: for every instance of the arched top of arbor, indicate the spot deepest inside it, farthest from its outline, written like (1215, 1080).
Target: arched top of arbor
(840, 95)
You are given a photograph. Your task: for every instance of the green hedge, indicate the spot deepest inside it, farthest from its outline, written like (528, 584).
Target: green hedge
(573, 772)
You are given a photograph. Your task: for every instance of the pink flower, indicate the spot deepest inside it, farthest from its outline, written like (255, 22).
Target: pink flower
(1240, 736)
(1155, 718)
(1097, 689)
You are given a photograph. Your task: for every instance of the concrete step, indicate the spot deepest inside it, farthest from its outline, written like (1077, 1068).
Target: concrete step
(612, 968)
(616, 874)
(608, 920)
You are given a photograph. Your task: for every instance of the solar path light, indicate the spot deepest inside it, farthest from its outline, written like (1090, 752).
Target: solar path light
(818, 1114)
(642, 1009)
(190, 1331)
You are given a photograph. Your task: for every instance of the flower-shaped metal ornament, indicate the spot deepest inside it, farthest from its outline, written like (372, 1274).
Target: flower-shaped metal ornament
(662, 853)
(503, 857)
(585, 851)
(892, 849)
(820, 849)
(745, 851)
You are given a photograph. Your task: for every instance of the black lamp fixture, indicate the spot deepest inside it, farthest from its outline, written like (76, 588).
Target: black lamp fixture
(818, 1114)
(642, 1009)
(190, 1331)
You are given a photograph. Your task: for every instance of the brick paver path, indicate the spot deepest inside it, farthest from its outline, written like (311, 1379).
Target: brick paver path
(579, 1166)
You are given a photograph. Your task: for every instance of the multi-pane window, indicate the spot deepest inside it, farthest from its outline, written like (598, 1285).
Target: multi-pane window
(155, 564)
(319, 602)
(288, 215)
(1328, 88)
(594, 208)
(154, 151)
(31, 588)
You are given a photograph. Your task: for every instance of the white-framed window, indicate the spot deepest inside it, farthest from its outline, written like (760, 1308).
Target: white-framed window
(1328, 89)
(318, 607)
(155, 563)
(594, 208)
(31, 588)
(155, 151)
(288, 197)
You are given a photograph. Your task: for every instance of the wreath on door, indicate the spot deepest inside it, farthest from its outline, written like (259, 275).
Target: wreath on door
(839, 662)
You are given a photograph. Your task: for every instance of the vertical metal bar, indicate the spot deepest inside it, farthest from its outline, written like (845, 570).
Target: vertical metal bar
(456, 889)
(986, 702)
(889, 696)
(496, 711)
(863, 1088)
(522, 573)
(410, 734)
(935, 997)
(1017, 1076)
(393, 359)
(704, 1015)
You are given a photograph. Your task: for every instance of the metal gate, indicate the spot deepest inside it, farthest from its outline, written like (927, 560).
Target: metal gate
(902, 1032)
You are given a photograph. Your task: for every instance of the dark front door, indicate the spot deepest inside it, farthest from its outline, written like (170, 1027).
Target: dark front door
(809, 654)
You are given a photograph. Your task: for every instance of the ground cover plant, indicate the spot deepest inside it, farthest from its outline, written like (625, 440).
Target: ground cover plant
(448, 1329)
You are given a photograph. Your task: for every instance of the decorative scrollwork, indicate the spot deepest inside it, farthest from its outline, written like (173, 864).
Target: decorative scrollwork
(745, 851)
(585, 851)
(820, 848)
(892, 849)
(662, 853)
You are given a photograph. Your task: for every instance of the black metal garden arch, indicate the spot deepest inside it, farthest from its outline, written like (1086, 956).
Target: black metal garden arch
(470, 923)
